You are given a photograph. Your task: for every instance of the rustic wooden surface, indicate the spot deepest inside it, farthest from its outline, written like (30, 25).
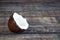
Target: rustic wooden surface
(43, 17)
(29, 1)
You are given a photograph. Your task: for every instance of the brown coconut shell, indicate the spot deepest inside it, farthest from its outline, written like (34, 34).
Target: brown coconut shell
(13, 27)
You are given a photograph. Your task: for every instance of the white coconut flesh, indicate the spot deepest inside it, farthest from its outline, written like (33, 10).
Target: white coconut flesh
(20, 21)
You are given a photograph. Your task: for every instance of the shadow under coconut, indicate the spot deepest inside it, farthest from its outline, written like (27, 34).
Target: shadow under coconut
(33, 30)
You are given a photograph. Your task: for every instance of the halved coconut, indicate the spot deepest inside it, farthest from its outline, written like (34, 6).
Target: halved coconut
(17, 23)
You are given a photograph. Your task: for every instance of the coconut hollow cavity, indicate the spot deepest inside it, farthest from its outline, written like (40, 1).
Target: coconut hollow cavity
(20, 21)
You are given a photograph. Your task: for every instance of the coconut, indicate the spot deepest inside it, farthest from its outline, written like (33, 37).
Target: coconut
(17, 23)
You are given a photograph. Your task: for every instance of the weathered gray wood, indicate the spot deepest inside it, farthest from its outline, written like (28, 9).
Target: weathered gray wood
(43, 18)
(42, 13)
(28, 1)
(33, 30)
(29, 37)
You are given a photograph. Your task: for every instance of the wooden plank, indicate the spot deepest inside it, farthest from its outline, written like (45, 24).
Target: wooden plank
(32, 30)
(29, 37)
(27, 8)
(56, 4)
(2, 21)
(31, 14)
(30, 9)
(27, 1)
(5, 13)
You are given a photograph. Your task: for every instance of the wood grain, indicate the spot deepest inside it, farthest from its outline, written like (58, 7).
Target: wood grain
(43, 17)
